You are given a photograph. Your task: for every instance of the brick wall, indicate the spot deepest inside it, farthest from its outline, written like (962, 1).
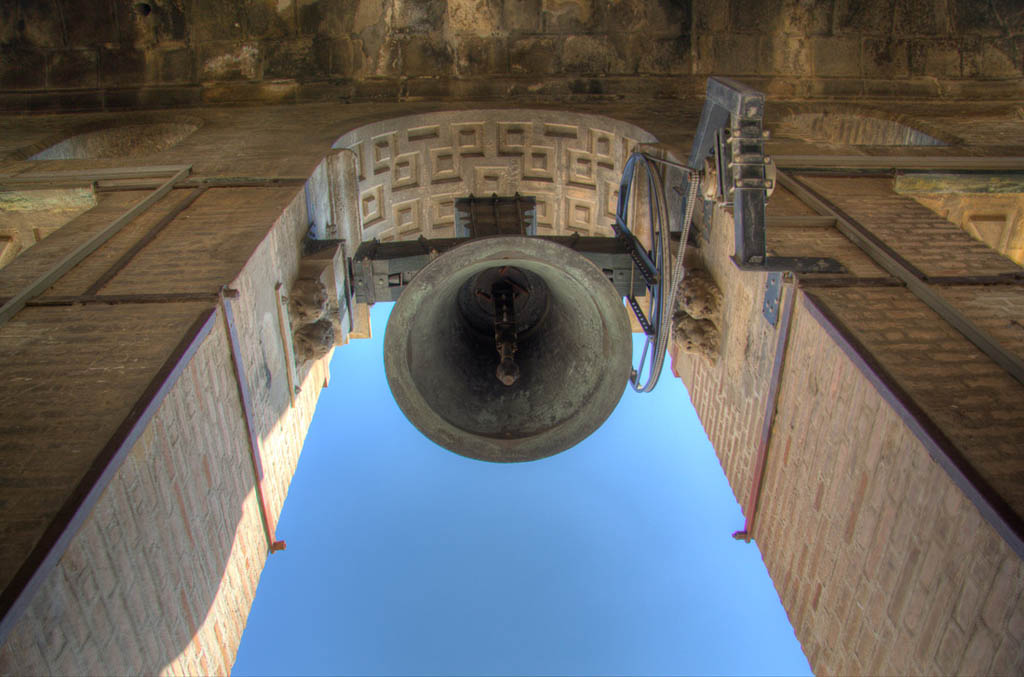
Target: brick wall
(883, 565)
(279, 426)
(161, 574)
(730, 395)
(997, 220)
(137, 589)
(930, 243)
(971, 399)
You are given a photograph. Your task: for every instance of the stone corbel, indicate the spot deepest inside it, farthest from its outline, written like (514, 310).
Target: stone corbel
(697, 317)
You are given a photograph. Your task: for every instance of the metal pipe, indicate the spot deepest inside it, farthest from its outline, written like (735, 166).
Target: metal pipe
(242, 384)
(55, 272)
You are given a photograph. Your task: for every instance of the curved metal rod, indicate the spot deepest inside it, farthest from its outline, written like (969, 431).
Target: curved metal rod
(670, 274)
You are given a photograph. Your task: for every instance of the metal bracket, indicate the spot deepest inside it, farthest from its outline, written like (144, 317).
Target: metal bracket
(636, 251)
(732, 127)
(640, 317)
(793, 264)
(772, 296)
(381, 271)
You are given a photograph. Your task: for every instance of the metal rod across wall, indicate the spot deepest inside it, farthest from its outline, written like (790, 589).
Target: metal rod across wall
(910, 276)
(768, 422)
(244, 397)
(46, 280)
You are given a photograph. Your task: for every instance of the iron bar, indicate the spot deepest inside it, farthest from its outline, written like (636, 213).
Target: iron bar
(116, 299)
(245, 400)
(767, 423)
(150, 235)
(88, 176)
(893, 264)
(44, 281)
(794, 162)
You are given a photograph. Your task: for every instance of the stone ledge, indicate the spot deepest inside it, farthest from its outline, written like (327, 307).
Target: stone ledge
(524, 89)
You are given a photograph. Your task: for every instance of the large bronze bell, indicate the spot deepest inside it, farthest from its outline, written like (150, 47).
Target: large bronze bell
(508, 349)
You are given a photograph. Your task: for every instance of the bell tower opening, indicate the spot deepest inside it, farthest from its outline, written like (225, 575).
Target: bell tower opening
(503, 346)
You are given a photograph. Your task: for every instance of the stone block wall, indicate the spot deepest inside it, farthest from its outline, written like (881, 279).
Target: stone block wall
(114, 54)
(30, 216)
(863, 47)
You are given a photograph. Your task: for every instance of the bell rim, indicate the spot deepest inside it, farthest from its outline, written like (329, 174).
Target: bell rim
(527, 252)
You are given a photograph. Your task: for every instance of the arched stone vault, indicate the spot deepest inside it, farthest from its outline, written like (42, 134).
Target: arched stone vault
(407, 172)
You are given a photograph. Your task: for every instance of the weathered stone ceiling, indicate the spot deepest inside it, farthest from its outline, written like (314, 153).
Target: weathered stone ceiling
(112, 54)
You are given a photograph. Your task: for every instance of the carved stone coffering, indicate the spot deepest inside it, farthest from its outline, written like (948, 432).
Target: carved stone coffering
(410, 170)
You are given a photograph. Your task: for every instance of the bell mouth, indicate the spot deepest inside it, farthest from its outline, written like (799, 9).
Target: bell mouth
(572, 350)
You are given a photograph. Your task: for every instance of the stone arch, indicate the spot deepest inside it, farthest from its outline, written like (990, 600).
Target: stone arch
(856, 126)
(404, 174)
(133, 137)
(32, 213)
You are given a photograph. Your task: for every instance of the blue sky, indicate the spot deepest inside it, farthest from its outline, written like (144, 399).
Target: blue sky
(612, 558)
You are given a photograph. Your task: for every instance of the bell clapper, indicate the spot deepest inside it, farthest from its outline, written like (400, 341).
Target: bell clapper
(503, 296)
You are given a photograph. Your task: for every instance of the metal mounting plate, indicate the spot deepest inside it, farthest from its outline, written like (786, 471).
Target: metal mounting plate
(772, 298)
